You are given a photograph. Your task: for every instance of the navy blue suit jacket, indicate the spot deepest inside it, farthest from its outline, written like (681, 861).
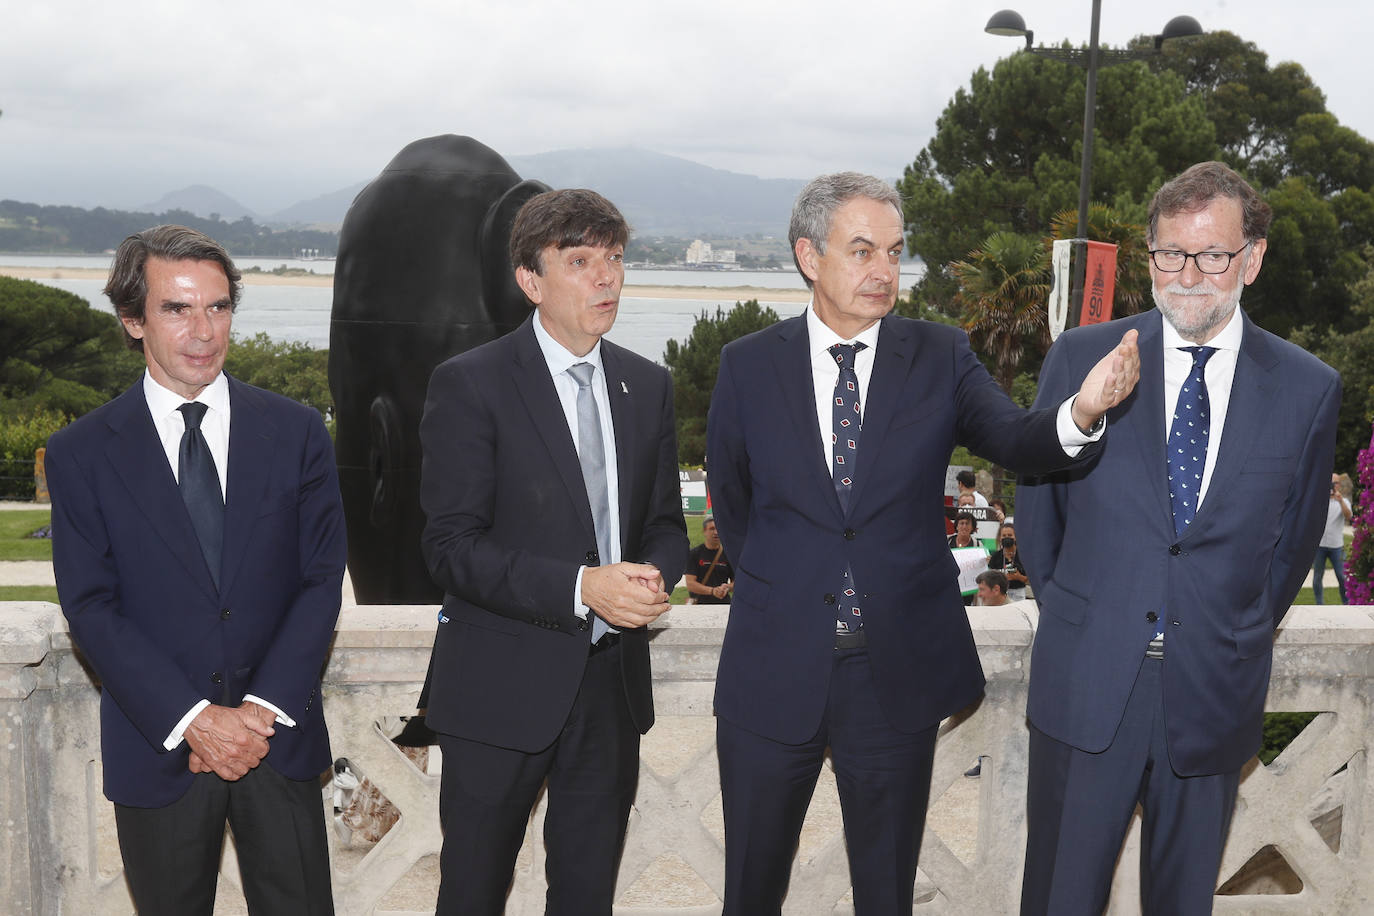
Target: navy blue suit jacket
(141, 604)
(1101, 552)
(508, 523)
(780, 519)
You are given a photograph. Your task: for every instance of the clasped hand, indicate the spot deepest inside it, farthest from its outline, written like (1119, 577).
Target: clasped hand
(229, 741)
(625, 595)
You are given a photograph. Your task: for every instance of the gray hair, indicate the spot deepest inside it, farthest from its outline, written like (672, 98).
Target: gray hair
(814, 211)
(1199, 186)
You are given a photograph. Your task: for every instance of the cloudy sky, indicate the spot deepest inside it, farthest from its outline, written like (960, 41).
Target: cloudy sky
(117, 103)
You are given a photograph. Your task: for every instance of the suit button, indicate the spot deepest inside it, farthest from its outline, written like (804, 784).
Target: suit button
(829, 598)
(1152, 616)
(216, 677)
(1175, 550)
(591, 556)
(850, 534)
(224, 614)
(582, 623)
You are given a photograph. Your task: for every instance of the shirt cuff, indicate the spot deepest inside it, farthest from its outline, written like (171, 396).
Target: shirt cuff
(1071, 438)
(580, 609)
(282, 718)
(175, 737)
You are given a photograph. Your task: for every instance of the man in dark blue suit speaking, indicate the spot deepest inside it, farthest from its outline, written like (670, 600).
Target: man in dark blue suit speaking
(828, 439)
(1150, 667)
(198, 543)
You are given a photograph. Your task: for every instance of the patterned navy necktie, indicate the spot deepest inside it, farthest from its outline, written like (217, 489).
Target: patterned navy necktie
(846, 421)
(1187, 445)
(200, 490)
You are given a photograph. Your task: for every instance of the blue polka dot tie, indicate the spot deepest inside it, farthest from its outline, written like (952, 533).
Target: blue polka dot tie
(1187, 444)
(846, 424)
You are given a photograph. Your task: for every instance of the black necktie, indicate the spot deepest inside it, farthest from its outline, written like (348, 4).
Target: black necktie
(200, 487)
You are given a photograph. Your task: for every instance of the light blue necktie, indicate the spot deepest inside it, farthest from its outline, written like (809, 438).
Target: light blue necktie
(591, 454)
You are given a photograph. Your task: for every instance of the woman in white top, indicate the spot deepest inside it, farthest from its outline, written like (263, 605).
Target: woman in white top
(1332, 545)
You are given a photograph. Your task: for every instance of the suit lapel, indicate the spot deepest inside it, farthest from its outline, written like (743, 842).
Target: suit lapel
(252, 441)
(792, 365)
(530, 376)
(1147, 412)
(1252, 397)
(623, 426)
(136, 454)
(891, 366)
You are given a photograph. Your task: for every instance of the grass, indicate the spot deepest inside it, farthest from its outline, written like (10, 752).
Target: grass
(28, 593)
(15, 528)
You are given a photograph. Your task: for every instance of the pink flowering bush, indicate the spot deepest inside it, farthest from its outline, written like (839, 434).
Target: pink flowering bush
(1359, 569)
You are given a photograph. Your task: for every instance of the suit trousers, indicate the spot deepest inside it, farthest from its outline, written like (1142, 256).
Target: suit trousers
(1079, 807)
(172, 854)
(487, 792)
(883, 777)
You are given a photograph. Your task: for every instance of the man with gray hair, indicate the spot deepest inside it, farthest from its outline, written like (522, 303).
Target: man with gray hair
(827, 442)
(1149, 677)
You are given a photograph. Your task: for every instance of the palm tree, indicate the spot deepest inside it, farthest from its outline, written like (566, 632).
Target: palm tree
(1106, 224)
(1004, 285)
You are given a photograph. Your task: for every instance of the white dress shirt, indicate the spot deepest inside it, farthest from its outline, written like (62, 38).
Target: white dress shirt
(1220, 372)
(559, 360)
(164, 407)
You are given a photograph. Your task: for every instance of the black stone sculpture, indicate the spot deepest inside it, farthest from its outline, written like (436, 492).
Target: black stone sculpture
(422, 274)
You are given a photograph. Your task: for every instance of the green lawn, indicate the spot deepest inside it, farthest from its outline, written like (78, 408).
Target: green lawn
(15, 528)
(28, 593)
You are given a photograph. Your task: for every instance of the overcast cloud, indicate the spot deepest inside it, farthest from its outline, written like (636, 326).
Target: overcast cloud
(118, 103)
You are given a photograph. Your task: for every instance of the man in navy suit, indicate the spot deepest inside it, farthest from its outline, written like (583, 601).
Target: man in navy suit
(1161, 579)
(198, 543)
(553, 523)
(828, 439)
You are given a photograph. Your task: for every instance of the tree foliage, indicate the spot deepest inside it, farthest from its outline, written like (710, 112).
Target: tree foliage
(693, 364)
(57, 353)
(1003, 286)
(288, 367)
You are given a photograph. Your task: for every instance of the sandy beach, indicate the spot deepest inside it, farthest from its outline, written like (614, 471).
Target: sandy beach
(266, 279)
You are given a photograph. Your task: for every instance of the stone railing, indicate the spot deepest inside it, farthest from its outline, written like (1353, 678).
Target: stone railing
(1301, 840)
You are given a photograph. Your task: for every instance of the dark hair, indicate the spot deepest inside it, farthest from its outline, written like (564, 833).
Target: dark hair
(814, 211)
(1001, 525)
(966, 479)
(127, 286)
(564, 219)
(992, 579)
(1199, 186)
(965, 515)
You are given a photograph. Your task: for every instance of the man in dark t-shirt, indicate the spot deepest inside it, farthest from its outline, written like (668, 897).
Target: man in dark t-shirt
(709, 576)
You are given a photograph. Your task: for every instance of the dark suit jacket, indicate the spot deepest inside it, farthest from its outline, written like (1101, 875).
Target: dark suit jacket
(1101, 552)
(508, 524)
(779, 516)
(144, 610)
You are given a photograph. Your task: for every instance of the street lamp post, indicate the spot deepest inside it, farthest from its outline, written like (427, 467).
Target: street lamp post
(1009, 22)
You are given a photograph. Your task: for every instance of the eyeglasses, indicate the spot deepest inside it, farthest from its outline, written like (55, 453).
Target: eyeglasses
(1172, 261)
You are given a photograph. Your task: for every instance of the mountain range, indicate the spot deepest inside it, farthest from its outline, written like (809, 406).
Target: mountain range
(660, 195)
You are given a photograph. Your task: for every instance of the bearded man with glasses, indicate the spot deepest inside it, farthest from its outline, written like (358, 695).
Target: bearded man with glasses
(1148, 678)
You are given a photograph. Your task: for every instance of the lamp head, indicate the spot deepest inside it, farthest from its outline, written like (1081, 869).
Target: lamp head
(1009, 23)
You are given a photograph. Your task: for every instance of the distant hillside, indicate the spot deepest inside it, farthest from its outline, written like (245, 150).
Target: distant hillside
(202, 200)
(660, 195)
(325, 211)
(665, 195)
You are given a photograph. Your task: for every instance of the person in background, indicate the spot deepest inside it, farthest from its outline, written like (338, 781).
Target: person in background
(967, 482)
(992, 590)
(709, 576)
(1007, 559)
(1331, 548)
(999, 506)
(964, 526)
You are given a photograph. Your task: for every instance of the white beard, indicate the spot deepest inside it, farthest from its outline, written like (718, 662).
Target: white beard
(1196, 320)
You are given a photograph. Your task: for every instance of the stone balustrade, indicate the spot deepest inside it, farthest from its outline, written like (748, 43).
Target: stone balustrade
(1301, 840)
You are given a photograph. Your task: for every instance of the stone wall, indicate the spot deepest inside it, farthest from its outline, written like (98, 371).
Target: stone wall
(1301, 833)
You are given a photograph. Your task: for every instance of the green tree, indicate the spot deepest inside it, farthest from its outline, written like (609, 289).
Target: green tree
(1003, 286)
(57, 353)
(288, 367)
(694, 363)
(1005, 155)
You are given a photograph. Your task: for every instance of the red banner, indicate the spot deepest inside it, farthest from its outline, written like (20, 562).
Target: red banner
(1099, 283)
